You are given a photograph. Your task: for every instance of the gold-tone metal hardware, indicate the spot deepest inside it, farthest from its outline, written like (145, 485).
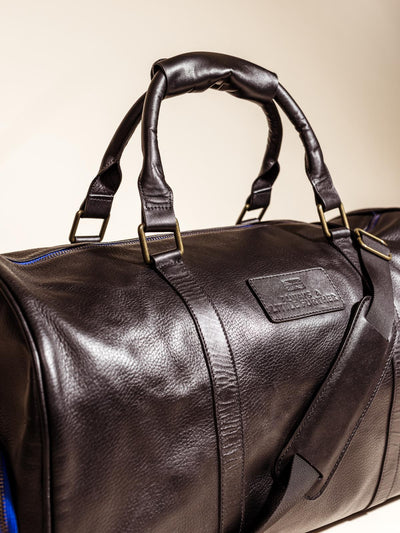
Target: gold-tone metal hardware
(144, 244)
(360, 232)
(324, 223)
(92, 238)
(244, 211)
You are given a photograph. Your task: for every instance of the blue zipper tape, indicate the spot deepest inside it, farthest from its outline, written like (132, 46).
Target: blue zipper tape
(62, 251)
(6, 506)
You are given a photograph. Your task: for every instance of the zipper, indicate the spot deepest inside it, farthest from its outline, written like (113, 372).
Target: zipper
(70, 249)
(3, 515)
(8, 521)
(77, 247)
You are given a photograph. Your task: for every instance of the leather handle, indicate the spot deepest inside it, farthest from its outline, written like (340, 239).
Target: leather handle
(99, 198)
(98, 201)
(198, 71)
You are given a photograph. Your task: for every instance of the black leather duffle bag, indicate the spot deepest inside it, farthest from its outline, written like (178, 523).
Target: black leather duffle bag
(236, 379)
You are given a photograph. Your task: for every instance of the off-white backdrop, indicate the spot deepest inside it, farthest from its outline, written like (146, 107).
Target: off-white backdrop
(70, 71)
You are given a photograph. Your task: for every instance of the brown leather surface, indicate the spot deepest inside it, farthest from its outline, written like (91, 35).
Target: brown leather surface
(160, 398)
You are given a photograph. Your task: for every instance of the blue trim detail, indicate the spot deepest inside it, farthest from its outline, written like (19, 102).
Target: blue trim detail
(36, 259)
(373, 222)
(6, 500)
(62, 251)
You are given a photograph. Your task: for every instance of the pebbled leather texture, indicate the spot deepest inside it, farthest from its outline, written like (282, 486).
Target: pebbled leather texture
(163, 397)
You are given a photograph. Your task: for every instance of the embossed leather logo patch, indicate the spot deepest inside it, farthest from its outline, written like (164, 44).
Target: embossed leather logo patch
(296, 294)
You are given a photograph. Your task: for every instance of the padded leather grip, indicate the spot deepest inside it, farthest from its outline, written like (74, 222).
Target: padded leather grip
(196, 72)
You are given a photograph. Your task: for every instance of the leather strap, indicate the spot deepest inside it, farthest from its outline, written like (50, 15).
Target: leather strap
(224, 383)
(339, 406)
(104, 186)
(334, 416)
(302, 476)
(316, 169)
(342, 240)
(99, 198)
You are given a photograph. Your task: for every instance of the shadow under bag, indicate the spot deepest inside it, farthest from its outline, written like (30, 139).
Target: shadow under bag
(243, 379)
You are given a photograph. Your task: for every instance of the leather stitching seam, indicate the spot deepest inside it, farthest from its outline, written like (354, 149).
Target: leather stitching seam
(216, 391)
(239, 406)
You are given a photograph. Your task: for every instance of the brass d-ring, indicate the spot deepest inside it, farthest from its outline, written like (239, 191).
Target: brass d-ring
(90, 238)
(144, 243)
(324, 223)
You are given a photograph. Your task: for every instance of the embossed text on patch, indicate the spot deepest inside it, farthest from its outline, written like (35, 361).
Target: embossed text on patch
(296, 294)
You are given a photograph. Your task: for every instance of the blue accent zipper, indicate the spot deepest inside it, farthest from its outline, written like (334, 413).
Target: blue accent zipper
(63, 251)
(8, 519)
(373, 222)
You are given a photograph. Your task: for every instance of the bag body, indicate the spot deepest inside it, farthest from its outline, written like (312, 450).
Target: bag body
(237, 379)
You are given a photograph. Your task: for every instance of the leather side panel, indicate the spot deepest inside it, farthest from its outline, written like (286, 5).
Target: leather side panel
(20, 421)
(389, 485)
(393, 484)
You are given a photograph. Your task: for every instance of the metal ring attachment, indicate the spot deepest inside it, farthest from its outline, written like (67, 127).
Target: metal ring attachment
(144, 244)
(360, 233)
(324, 223)
(73, 238)
(244, 211)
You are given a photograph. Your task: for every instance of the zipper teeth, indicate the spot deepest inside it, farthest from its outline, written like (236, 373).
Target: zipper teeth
(64, 251)
(3, 510)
